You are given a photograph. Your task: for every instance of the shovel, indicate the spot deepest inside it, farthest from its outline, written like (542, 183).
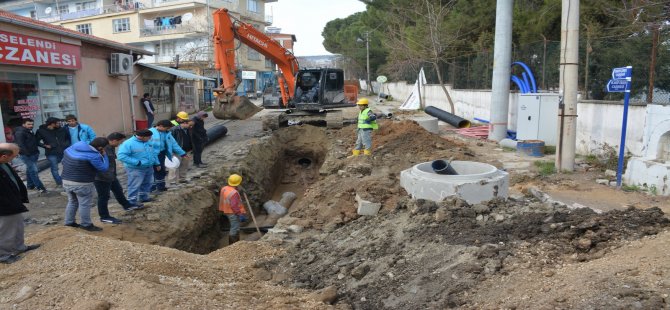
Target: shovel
(258, 234)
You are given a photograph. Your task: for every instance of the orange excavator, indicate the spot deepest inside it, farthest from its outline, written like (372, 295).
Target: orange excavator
(306, 91)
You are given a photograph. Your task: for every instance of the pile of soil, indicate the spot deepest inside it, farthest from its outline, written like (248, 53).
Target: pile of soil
(429, 255)
(397, 145)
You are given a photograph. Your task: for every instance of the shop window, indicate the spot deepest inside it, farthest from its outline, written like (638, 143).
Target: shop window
(161, 94)
(85, 28)
(19, 98)
(57, 95)
(252, 6)
(185, 95)
(121, 25)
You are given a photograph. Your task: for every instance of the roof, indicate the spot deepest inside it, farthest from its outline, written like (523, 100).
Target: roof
(11, 18)
(283, 35)
(178, 73)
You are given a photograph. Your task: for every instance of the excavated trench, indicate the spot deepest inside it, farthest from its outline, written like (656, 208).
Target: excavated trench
(287, 161)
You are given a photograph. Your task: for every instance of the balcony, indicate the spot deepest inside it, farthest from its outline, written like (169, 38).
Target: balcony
(148, 31)
(107, 9)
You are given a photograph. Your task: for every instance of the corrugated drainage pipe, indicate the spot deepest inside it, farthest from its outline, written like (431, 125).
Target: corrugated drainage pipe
(447, 117)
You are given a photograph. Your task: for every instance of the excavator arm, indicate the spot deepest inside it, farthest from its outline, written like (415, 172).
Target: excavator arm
(226, 29)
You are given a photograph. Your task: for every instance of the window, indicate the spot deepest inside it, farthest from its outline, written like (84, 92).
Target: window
(81, 6)
(121, 25)
(33, 15)
(63, 9)
(252, 6)
(85, 28)
(165, 49)
(269, 64)
(93, 89)
(253, 55)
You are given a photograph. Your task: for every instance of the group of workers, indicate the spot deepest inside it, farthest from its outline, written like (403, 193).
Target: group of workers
(89, 164)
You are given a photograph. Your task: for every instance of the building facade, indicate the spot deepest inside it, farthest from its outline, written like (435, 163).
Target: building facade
(49, 71)
(178, 32)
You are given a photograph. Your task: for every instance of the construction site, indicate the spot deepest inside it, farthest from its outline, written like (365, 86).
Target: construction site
(435, 214)
(545, 241)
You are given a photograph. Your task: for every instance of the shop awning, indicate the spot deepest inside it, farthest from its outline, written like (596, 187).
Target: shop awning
(178, 73)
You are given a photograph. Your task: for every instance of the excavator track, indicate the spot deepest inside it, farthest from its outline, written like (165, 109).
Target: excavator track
(331, 119)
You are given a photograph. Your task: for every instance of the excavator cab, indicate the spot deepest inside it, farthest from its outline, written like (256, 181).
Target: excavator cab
(320, 89)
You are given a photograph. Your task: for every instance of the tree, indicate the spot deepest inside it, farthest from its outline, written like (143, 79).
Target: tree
(341, 37)
(417, 32)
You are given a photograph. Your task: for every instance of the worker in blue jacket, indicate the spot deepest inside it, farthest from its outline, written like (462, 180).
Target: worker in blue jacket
(163, 144)
(78, 131)
(138, 158)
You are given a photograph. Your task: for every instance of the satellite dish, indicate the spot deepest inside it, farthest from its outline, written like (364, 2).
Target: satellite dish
(186, 17)
(47, 10)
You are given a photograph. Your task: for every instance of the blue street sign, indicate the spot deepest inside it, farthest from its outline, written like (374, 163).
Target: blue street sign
(616, 86)
(621, 73)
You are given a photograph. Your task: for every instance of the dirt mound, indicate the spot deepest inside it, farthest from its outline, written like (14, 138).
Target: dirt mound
(429, 255)
(397, 145)
(73, 270)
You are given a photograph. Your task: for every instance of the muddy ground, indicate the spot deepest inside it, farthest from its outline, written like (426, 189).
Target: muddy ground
(523, 252)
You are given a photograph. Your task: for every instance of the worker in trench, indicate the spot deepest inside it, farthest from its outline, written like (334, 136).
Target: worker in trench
(367, 122)
(230, 203)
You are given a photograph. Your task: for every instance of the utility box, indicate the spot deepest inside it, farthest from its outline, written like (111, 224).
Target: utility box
(537, 118)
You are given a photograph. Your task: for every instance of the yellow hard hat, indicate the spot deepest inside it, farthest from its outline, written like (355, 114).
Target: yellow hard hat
(234, 180)
(362, 101)
(183, 115)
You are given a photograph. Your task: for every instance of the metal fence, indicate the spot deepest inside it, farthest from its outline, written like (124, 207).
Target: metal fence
(474, 71)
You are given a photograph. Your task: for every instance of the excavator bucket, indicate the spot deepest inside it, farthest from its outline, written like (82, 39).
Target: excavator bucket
(237, 108)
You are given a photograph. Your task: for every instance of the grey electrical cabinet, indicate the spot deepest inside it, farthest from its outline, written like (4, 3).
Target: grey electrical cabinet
(537, 118)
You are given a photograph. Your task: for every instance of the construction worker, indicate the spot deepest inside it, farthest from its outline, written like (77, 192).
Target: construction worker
(181, 117)
(367, 121)
(231, 205)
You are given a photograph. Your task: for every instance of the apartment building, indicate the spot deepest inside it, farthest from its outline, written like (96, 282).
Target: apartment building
(178, 32)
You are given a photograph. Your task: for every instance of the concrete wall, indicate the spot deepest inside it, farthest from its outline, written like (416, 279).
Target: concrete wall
(110, 111)
(599, 122)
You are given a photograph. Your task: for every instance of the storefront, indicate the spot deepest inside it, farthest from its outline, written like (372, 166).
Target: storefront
(171, 90)
(48, 71)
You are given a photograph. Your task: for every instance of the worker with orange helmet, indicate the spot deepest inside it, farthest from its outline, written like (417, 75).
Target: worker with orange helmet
(367, 122)
(231, 205)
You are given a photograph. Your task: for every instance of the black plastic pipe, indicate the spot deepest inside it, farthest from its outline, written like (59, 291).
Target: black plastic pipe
(215, 133)
(442, 166)
(447, 117)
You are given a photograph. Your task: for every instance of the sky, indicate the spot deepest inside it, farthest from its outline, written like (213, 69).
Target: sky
(306, 19)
